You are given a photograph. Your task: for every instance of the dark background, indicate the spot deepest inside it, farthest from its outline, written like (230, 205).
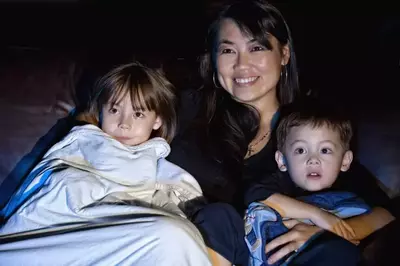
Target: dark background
(348, 51)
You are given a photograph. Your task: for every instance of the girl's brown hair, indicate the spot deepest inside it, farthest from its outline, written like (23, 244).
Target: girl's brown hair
(149, 90)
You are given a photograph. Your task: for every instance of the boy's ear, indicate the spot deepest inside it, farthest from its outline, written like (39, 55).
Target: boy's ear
(157, 123)
(346, 161)
(280, 160)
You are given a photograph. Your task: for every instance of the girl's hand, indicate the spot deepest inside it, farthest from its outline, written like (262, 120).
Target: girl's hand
(299, 234)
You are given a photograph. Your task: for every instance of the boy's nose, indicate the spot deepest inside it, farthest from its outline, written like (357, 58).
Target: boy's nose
(313, 160)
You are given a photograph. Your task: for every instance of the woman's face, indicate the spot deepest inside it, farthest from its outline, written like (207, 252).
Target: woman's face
(245, 68)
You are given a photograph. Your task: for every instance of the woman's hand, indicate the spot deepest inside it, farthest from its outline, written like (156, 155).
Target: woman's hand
(334, 224)
(299, 234)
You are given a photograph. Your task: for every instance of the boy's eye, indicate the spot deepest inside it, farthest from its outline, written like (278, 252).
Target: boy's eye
(326, 151)
(299, 151)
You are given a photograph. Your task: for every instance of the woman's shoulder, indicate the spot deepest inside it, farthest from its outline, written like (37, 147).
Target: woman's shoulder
(188, 107)
(185, 149)
(190, 94)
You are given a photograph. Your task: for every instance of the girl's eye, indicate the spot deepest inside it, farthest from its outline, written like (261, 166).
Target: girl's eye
(113, 110)
(299, 151)
(138, 115)
(326, 151)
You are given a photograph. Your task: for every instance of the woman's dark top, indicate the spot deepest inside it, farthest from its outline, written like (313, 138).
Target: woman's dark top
(257, 170)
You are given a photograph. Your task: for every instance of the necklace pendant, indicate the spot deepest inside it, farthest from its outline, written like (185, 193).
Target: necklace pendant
(251, 149)
(249, 152)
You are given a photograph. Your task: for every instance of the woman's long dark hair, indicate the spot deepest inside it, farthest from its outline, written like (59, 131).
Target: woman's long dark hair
(227, 126)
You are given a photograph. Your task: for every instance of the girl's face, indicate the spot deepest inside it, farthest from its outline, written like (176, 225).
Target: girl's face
(245, 68)
(128, 126)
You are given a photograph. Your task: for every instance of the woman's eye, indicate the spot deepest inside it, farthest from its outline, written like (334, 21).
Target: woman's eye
(138, 115)
(326, 151)
(226, 51)
(257, 48)
(299, 151)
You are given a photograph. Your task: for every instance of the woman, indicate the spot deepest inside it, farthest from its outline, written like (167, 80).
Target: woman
(249, 71)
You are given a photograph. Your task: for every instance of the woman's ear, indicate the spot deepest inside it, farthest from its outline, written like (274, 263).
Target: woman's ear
(346, 161)
(280, 160)
(157, 123)
(285, 54)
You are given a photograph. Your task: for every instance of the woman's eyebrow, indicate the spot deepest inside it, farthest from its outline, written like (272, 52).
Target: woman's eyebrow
(225, 41)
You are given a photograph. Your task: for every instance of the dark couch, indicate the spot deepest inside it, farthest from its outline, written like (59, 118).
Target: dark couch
(39, 89)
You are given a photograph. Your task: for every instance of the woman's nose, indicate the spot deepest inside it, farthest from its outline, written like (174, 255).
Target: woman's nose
(242, 61)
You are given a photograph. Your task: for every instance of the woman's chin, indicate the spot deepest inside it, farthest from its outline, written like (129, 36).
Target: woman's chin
(244, 98)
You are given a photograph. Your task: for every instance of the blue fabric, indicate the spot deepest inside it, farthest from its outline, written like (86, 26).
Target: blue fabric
(19, 178)
(262, 223)
(19, 198)
(222, 230)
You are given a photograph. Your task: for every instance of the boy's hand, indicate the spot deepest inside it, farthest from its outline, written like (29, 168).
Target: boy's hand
(336, 225)
(299, 233)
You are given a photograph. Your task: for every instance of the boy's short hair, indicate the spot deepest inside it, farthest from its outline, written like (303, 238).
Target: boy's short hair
(149, 90)
(316, 114)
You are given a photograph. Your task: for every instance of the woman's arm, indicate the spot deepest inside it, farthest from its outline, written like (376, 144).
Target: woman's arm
(288, 207)
(364, 184)
(365, 224)
(300, 233)
(359, 180)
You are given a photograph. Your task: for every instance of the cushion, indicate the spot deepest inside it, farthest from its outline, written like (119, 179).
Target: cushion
(37, 90)
(378, 145)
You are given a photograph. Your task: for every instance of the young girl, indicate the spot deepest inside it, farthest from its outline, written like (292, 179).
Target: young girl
(113, 166)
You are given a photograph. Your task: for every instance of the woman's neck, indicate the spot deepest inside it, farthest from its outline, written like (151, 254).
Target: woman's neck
(267, 109)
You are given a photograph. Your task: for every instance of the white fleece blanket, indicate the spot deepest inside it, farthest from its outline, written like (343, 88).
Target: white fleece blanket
(89, 175)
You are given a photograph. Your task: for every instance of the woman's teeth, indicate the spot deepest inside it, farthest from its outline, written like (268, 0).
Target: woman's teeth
(245, 80)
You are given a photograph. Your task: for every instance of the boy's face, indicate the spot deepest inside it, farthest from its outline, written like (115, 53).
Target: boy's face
(313, 156)
(128, 126)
